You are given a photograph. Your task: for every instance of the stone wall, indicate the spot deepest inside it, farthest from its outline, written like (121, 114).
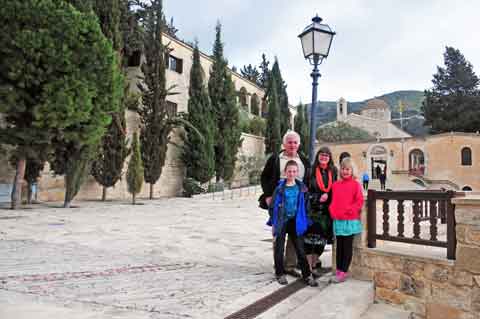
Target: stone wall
(429, 287)
(51, 188)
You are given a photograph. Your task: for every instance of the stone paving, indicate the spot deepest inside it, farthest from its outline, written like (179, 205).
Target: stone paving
(167, 258)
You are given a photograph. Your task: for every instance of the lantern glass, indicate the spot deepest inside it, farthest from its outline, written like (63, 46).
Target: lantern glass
(307, 44)
(322, 43)
(316, 39)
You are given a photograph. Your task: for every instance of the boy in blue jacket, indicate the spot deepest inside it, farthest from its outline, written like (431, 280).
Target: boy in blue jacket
(289, 216)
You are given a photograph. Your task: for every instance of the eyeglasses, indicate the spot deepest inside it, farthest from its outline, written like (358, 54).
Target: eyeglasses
(323, 155)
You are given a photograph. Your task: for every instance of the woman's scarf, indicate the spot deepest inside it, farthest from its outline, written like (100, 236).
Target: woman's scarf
(319, 177)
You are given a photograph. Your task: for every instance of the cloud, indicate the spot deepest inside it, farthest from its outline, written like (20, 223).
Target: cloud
(380, 46)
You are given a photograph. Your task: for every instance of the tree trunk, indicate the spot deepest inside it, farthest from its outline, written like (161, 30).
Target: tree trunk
(133, 199)
(151, 190)
(17, 183)
(29, 193)
(104, 193)
(66, 203)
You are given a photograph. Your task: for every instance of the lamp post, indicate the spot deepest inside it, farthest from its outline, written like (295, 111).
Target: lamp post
(316, 41)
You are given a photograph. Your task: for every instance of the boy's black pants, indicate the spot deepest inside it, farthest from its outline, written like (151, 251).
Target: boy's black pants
(344, 252)
(279, 246)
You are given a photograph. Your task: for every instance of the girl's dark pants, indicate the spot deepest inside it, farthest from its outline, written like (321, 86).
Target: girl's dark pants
(290, 229)
(344, 252)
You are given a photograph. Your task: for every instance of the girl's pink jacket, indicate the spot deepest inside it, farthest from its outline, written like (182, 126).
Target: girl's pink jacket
(347, 199)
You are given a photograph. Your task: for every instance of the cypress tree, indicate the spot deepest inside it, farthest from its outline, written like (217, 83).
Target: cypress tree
(198, 153)
(223, 99)
(272, 135)
(281, 89)
(135, 169)
(71, 102)
(153, 115)
(265, 72)
(301, 127)
(113, 150)
(453, 104)
(156, 122)
(232, 133)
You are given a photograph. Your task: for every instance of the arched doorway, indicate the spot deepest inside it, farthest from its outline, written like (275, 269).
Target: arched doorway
(378, 160)
(416, 162)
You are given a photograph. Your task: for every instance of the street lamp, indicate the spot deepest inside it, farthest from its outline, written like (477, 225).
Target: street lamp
(316, 40)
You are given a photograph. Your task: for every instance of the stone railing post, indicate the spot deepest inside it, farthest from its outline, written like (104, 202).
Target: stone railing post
(467, 217)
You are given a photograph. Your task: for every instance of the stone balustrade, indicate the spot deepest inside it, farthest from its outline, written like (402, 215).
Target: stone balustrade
(422, 281)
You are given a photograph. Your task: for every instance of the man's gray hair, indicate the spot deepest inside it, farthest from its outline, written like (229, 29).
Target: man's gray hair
(291, 133)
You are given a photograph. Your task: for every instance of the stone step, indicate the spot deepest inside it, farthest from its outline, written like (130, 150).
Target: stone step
(348, 300)
(381, 311)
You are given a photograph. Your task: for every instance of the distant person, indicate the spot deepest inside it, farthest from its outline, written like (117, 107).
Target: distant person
(288, 215)
(347, 202)
(320, 232)
(273, 171)
(383, 180)
(365, 180)
(378, 171)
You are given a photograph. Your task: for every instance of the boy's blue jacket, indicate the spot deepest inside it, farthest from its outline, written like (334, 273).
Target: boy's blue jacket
(277, 209)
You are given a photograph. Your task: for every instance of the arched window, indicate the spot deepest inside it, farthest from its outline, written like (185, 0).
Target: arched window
(466, 188)
(466, 156)
(242, 94)
(254, 107)
(264, 108)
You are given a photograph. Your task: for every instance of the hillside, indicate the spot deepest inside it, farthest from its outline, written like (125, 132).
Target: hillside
(327, 110)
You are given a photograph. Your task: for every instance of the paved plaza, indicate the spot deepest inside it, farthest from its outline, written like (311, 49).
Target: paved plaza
(168, 258)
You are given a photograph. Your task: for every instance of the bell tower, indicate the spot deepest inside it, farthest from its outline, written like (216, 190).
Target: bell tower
(342, 110)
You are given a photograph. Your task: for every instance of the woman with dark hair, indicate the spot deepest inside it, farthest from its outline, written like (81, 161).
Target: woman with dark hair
(320, 232)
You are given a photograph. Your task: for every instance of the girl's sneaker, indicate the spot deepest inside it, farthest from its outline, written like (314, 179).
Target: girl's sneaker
(339, 277)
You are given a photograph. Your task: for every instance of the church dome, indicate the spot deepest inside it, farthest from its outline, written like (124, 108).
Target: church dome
(376, 104)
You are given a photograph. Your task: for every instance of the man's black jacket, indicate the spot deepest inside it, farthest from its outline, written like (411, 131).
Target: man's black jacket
(271, 176)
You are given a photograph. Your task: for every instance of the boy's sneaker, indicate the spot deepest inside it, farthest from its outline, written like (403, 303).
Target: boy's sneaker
(310, 281)
(282, 280)
(293, 273)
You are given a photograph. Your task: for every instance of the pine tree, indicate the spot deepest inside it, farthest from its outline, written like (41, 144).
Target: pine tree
(453, 104)
(251, 73)
(69, 103)
(273, 136)
(301, 127)
(135, 169)
(223, 99)
(198, 153)
(281, 89)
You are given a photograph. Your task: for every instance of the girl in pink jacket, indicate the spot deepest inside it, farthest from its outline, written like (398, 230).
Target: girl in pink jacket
(347, 202)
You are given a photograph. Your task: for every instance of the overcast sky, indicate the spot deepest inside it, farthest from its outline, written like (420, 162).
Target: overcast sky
(381, 45)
